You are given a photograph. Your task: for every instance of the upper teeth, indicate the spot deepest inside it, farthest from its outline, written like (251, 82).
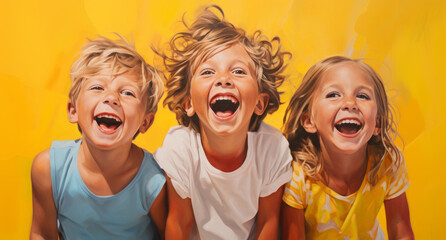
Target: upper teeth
(110, 116)
(350, 121)
(228, 97)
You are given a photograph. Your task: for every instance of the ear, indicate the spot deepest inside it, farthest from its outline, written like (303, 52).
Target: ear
(307, 123)
(190, 111)
(147, 122)
(262, 103)
(377, 127)
(72, 113)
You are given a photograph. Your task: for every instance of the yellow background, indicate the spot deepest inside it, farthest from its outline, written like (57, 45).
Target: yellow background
(404, 40)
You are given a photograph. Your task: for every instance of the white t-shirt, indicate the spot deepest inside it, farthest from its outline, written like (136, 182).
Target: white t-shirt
(225, 204)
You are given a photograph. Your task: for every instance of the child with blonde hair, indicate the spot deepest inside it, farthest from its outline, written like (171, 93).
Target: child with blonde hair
(339, 125)
(225, 167)
(102, 186)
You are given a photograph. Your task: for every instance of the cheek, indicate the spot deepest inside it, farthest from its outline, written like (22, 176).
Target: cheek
(372, 111)
(251, 85)
(371, 116)
(199, 91)
(89, 100)
(250, 97)
(84, 105)
(249, 90)
(133, 108)
(197, 99)
(325, 110)
(374, 117)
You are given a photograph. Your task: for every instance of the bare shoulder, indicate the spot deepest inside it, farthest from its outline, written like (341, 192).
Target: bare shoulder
(44, 221)
(40, 170)
(41, 161)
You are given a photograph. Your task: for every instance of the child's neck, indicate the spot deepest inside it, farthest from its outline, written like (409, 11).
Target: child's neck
(107, 172)
(225, 152)
(103, 160)
(343, 172)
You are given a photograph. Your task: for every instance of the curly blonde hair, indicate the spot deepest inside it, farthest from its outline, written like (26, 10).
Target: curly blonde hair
(115, 57)
(305, 146)
(188, 49)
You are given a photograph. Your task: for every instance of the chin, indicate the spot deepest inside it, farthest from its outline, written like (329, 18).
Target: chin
(101, 142)
(103, 145)
(349, 149)
(223, 130)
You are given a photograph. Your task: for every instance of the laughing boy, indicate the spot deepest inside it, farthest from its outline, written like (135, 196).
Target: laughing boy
(103, 186)
(225, 167)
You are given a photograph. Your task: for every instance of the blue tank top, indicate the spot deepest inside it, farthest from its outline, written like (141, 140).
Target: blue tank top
(83, 215)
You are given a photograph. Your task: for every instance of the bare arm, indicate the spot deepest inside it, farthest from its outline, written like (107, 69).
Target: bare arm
(44, 221)
(268, 216)
(292, 222)
(158, 211)
(398, 219)
(180, 219)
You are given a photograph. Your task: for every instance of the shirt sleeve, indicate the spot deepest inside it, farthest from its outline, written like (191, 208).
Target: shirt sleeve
(295, 193)
(278, 159)
(398, 182)
(154, 185)
(174, 157)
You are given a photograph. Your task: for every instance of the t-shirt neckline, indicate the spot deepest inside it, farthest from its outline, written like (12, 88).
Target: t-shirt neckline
(217, 171)
(89, 192)
(352, 196)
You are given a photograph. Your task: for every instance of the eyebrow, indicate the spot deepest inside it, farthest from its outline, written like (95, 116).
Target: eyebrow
(93, 80)
(338, 86)
(242, 62)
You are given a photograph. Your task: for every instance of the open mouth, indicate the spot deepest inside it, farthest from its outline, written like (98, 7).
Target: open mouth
(224, 106)
(348, 126)
(108, 122)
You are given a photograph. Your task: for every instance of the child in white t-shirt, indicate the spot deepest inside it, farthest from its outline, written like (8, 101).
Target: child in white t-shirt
(225, 167)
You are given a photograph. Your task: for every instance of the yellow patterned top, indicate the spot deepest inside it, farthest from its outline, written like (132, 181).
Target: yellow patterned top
(329, 215)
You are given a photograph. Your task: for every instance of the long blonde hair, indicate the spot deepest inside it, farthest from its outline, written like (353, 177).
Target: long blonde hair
(209, 32)
(305, 146)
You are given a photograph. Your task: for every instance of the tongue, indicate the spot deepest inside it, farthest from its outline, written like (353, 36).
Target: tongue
(106, 127)
(347, 129)
(224, 114)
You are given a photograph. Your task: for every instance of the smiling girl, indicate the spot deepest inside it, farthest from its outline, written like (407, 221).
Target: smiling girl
(339, 127)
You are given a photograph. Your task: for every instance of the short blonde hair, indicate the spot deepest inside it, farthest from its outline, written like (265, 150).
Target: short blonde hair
(207, 34)
(305, 146)
(115, 57)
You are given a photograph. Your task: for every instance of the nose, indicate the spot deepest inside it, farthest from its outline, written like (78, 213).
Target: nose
(111, 98)
(349, 103)
(224, 81)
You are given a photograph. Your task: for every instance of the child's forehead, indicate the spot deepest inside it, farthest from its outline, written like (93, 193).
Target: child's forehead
(240, 54)
(342, 70)
(109, 76)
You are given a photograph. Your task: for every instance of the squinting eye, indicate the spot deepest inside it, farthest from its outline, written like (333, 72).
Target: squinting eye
(332, 95)
(363, 96)
(206, 72)
(128, 93)
(96, 88)
(239, 71)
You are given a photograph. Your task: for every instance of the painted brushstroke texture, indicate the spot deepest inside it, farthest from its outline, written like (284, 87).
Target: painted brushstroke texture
(403, 40)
